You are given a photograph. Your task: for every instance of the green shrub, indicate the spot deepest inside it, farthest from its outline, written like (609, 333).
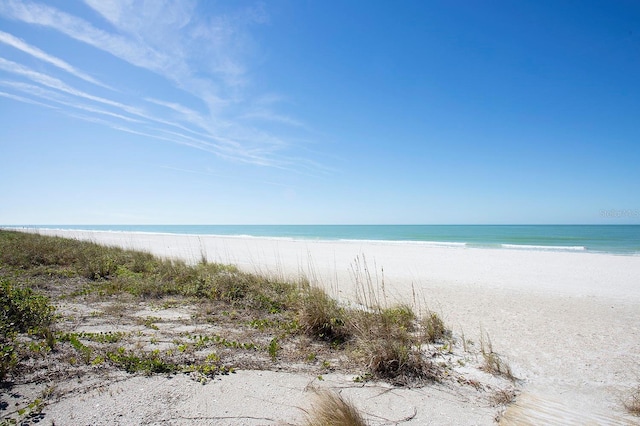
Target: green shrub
(8, 357)
(146, 362)
(21, 311)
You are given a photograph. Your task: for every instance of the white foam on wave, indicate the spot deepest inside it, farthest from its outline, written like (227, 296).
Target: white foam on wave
(546, 248)
(407, 242)
(245, 236)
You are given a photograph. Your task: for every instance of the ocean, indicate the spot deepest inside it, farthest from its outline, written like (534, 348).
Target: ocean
(614, 239)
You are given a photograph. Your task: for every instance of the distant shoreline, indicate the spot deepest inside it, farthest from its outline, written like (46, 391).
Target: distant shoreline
(612, 239)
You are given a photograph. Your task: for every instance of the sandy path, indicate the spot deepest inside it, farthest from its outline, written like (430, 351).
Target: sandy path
(569, 323)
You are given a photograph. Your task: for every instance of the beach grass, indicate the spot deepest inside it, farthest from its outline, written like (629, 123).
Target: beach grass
(332, 409)
(387, 341)
(322, 318)
(493, 362)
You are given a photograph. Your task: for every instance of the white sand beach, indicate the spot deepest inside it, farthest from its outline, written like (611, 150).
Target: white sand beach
(568, 323)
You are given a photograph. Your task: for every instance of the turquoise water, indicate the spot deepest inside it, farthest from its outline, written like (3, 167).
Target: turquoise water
(617, 239)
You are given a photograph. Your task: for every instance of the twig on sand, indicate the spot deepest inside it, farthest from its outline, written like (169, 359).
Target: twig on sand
(223, 418)
(395, 422)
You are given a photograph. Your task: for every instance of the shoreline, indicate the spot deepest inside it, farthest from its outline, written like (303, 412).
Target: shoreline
(568, 323)
(501, 244)
(569, 273)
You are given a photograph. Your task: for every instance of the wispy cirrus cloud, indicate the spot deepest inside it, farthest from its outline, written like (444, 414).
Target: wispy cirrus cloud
(57, 84)
(56, 97)
(79, 29)
(25, 100)
(202, 55)
(153, 35)
(20, 44)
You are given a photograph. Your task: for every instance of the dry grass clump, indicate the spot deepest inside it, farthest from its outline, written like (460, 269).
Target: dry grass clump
(385, 340)
(321, 317)
(398, 362)
(331, 409)
(389, 347)
(493, 363)
(503, 397)
(632, 404)
(433, 328)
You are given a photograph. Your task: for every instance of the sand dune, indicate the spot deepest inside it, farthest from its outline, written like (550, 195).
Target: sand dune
(569, 323)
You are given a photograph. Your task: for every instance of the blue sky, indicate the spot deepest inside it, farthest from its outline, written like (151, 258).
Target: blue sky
(240, 112)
